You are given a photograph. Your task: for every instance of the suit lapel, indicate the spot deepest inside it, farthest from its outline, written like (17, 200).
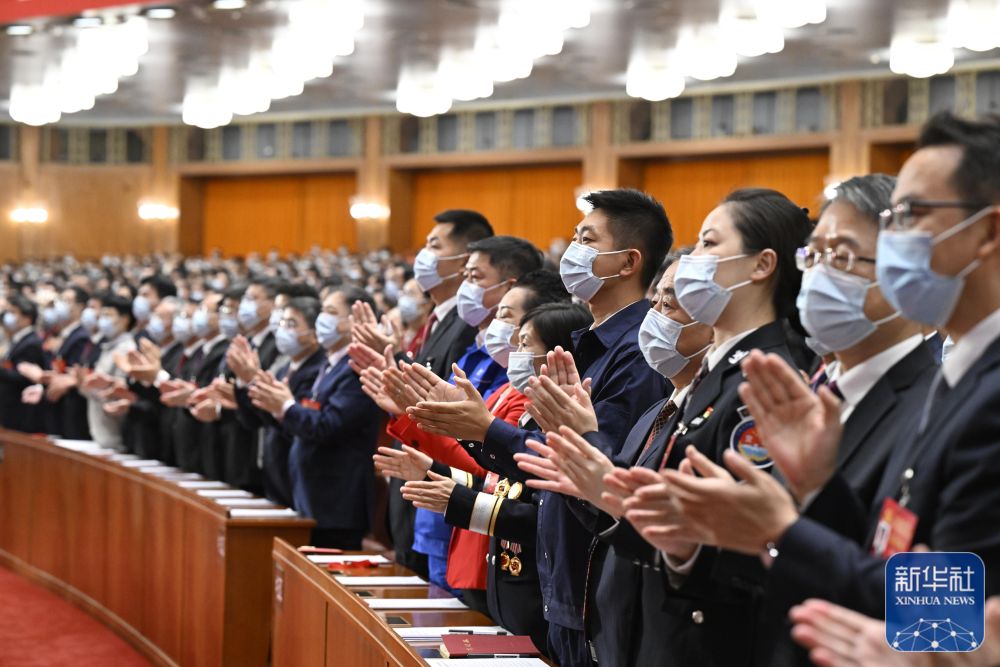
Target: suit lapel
(633, 445)
(879, 401)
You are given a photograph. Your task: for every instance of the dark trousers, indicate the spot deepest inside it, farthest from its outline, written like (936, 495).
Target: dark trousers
(335, 538)
(475, 598)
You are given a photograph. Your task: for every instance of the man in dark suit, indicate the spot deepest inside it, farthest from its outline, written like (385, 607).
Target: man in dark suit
(334, 433)
(296, 339)
(25, 347)
(439, 271)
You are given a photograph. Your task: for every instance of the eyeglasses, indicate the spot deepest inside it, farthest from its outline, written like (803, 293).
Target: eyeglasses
(904, 215)
(842, 259)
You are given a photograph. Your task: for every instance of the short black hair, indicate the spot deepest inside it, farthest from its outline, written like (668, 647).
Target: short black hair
(120, 304)
(977, 176)
(235, 292)
(25, 305)
(80, 295)
(545, 287)
(309, 307)
(636, 220)
(294, 290)
(270, 285)
(869, 195)
(510, 256)
(554, 323)
(768, 219)
(161, 284)
(353, 294)
(467, 226)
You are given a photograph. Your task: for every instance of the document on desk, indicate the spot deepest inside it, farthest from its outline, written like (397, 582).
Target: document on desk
(87, 446)
(415, 603)
(324, 559)
(434, 634)
(200, 484)
(250, 513)
(486, 662)
(224, 493)
(244, 502)
(159, 470)
(380, 581)
(141, 463)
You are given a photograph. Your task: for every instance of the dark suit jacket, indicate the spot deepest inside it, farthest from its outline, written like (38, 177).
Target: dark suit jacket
(955, 493)
(68, 416)
(14, 414)
(333, 476)
(142, 430)
(443, 347)
(634, 614)
(276, 444)
(195, 444)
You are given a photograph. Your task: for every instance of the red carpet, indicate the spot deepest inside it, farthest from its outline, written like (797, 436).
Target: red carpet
(40, 629)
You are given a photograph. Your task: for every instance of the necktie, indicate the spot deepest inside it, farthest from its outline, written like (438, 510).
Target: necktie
(319, 378)
(666, 412)
(832, 386)
(425, 332)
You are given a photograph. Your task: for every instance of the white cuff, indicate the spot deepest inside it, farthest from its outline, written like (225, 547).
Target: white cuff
(161, 377)
(484, 512)
(684, 568)
(461, 477)
(286, 405)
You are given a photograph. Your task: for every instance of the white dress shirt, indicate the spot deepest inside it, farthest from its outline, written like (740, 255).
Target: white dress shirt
(854, 384)
(968, 350)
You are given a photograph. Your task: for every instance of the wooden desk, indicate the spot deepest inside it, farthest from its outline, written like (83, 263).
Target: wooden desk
(319, 622)
(164, 567)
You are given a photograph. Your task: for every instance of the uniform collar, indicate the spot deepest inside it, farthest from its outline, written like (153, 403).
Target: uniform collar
(613, 328)
(717, 354)
(968, 350)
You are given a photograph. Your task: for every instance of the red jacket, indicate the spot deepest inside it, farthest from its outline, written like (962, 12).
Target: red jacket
(467, 551)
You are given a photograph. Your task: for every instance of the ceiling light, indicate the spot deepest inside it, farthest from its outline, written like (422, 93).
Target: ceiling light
(35, 215)
(920, 57)
(790, 13)
(704, 55)
(229, 4)
(972, 24)
(88, 22)
(161, 13)
(20, 30)
(752, 37)
(653, 76)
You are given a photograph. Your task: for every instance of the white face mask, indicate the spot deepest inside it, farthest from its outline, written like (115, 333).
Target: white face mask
(658, 336)
(521, 368)
(497, 341)
(577, 270)
(831, 304)
(425, 269)
(697, 292)
(470, 303)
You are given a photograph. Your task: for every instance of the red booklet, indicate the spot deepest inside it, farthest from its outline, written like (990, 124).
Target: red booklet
(488, 646)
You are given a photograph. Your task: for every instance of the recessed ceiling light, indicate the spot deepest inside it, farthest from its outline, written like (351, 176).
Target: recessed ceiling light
(229, 4)
(20, 29)
(161, 13)
(88, 22)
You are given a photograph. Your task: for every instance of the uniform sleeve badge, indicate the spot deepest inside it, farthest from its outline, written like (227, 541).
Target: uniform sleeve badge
(746, 442)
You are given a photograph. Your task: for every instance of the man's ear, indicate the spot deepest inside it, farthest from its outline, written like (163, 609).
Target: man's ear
(991, 246)
(633, 262)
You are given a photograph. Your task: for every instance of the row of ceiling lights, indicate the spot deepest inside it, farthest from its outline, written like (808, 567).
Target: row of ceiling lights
(525, 31)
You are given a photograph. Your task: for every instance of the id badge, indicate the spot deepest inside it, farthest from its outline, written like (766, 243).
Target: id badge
(311, 404)
(59, 365)
(895, 530)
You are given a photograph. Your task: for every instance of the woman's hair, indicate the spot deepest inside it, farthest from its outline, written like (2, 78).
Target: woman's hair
(554, 323)
(768, 219)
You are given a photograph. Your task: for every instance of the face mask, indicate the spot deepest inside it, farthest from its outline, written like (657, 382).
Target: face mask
(327, 330)
(182, 329)
(275, 321)
(49, 317)
(904, 271)
(497, 341)
(217, 284)
(699, 295)
(577, 270)
(391, 290)
(156, 329)
(229, 326)
(197, 295)
(63, 311)
(520, 369)
(10, 320)
(107, 327)
(817, 347)
(247, 314)
(831, 305)
(409, 308)
(470, 303)
(658, 336)
(425, 269)
(200, 324)
(288, 342)
(89, 319)
(141, 308)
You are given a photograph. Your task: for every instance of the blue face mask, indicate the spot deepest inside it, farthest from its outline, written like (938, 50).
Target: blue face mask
(10, 320)
(89, 319)
(156, 329)
(699, 295)
(576, 268)
(425, 269)
(326, 330)
(248, 314)
(141, 308)
(903, 267)
(229, 326)
(63, 311)
(391, 290)
(288, 342)
(107, 327)
(275, 321)
(831, 304)
(50, 317)
(200, 324)
(182, 329)
(409, 308)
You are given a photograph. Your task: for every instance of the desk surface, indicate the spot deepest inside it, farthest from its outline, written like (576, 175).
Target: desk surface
(133, 544)
(318, 621)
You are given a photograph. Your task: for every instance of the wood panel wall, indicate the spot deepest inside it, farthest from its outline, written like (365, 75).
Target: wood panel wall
(888, 158)
(291, 213)
(691, 187)
(533, 202)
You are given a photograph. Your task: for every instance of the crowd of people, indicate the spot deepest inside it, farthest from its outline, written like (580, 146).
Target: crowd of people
(633, 453)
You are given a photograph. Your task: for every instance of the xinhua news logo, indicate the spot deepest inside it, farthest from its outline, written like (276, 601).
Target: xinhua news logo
(935, 602)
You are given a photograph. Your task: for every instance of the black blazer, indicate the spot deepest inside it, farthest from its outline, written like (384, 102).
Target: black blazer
(955, 493)
(195, 444)
(634, 615)
(68, 416)
(13, 414)
(143, 428)
(446, 345)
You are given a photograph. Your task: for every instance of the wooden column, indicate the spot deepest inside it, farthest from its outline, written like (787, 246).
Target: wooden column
(164, 189)
(373, 187)
(600, 163)
(849, 149)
